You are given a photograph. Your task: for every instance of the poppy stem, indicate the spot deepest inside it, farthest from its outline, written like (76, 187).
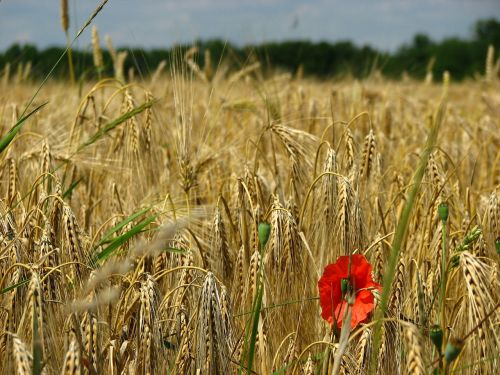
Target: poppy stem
(326, 360)
(344, 339)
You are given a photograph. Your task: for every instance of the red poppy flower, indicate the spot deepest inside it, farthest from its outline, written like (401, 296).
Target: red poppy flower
(361, 283)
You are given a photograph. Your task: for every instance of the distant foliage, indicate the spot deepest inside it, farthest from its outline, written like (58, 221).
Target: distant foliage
(463, 58)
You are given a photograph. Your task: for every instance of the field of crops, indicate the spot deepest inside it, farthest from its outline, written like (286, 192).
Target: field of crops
(182, 224)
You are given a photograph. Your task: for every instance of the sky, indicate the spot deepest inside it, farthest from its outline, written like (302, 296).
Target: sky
(384, 24)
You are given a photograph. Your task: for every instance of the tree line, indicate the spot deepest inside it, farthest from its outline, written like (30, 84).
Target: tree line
(463, 58)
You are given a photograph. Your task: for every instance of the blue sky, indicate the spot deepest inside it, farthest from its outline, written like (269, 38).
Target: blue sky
(384, 24)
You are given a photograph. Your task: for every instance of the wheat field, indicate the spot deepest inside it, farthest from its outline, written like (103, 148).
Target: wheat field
(130, 214)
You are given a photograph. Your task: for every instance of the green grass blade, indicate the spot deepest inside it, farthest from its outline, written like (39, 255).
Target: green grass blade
(399, 236)
(255, 327)
(174, 250)
(113, 124)
(107, 236)
(120, 240)
(37, 347)
(7, 138)
(68, 47)
(14, 286)
(72, 187)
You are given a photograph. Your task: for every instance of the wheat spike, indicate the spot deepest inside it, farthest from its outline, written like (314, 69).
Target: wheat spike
(149, 331)
(111, 49)
(296, 151)
(64, 15)
(481, 299)
(368, 155)
(381, 362)
(50, 257)
(55, 217)
(90, 341)
(489, 68)
(207, 68)
(349, 150)
(327, 205)
(46, 163)
(222, 264)
(37, 310)
(184, 281)
(254, 269)
(12, 185)
(363, 350)
(308, 368)
(73, 245)
(22, 356)
(388, 121)
(397, 295)
(185, 357)
(239, 278)
(328, 189)
(380, 257)
(285, 246)
(72, 365)
(348, 228)
(96, 49)
(291, 352)
(414, 361)
(118, 65)
(6, 74)
(133, 127)
(492, 218)
(213, 337)
(148, 121)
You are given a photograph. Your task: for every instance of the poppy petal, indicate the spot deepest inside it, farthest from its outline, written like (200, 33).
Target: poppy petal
(330, 293)
(360, 271)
